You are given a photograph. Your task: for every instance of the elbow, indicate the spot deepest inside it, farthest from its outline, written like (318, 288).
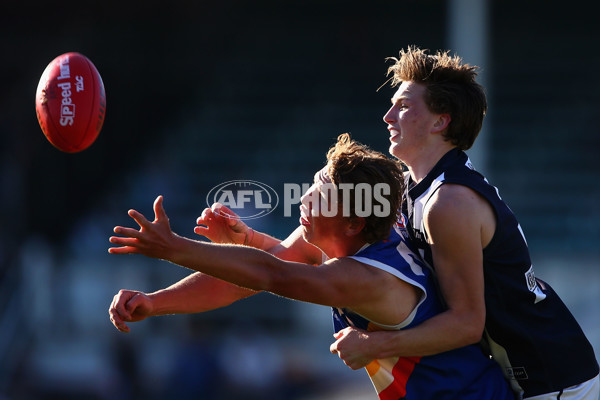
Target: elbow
(468, 326)
(473, 329)
(473, 336)
(258, 282)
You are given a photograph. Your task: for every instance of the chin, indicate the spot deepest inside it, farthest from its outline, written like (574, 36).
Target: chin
(395, 150)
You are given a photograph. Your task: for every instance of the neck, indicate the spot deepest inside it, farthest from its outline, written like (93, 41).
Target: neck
(344, 247)
(424, 163)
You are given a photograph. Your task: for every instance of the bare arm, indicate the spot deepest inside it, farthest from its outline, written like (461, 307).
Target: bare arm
(200, 292)
(183, 297)
(340, 282)
(460, 225)
(221, 225)
(194, 293)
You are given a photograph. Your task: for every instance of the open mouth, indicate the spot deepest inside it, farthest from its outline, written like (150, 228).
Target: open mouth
(303, 221)
(393, 133)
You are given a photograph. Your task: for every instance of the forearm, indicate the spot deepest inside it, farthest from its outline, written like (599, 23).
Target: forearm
(438, 334)
(242, 266)
(196, 293)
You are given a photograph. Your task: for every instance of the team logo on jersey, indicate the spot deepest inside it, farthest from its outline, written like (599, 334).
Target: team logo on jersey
(469, 165)
(532, 285)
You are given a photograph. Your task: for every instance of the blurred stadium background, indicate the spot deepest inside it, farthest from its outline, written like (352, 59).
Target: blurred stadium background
(199, 93)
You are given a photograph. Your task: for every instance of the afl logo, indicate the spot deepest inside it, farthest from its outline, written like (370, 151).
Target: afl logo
(248, 199)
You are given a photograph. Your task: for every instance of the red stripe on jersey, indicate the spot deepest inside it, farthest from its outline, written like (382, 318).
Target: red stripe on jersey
(401, 373)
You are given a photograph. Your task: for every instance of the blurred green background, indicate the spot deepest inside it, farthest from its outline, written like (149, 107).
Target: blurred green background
(199, 93)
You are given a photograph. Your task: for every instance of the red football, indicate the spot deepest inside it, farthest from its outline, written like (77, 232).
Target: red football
(70, 102)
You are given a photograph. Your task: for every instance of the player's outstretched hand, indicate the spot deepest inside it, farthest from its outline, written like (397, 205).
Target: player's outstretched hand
(349, 346)
(129, 306)
(221, 225)
(153, 239)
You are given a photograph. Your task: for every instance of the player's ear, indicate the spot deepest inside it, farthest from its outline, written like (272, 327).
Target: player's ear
(355, 225)
(441, 124)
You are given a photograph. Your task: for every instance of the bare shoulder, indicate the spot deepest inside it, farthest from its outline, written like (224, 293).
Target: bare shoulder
(452, 200)
(339, 282)
(351, 274)
(454, 205)
(356, 281)
(450, 194)
(372, 292)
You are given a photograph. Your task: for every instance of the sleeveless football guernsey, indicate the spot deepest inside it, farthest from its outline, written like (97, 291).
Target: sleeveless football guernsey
(465, 373)
(528, 329)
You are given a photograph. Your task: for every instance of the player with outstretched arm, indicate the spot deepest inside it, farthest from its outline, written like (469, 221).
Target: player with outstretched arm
(371, 278)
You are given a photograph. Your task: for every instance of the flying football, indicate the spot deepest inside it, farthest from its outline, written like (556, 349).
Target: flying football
(70, 102)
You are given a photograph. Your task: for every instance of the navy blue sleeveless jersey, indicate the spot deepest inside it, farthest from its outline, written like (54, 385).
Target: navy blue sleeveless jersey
(461, 374)
(528, 329)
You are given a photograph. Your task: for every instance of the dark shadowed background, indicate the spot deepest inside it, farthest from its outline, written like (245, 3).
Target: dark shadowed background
(199, 93)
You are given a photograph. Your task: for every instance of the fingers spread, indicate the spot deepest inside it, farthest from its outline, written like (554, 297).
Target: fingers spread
(139, 218)
(123, 250)
(159, 210)
(129, 232)
(129, 243)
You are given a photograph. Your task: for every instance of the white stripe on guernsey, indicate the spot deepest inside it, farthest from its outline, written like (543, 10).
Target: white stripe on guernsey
(399, 275)
(421, 201)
